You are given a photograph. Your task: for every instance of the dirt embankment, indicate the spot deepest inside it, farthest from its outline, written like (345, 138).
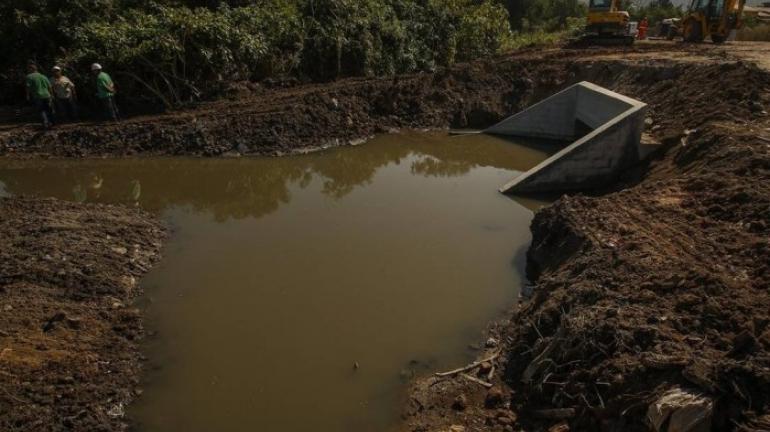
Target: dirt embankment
(660, 287)
(68, 333)
(271, 119)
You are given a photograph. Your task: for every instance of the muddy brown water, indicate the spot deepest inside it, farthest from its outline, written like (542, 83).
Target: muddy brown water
(282, 273)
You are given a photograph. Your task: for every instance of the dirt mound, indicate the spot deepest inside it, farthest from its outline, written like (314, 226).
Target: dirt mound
(660, 288)
(279, 119)
(663, 285)
(68, 353)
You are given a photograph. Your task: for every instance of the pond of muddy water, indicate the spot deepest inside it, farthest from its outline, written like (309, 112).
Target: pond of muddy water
(282, 273)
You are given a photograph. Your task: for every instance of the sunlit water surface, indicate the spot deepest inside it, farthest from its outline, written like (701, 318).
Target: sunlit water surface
(282, 273)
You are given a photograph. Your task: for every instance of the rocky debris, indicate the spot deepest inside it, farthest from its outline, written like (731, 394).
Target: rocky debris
(460, 403)
(494, 398)
(501, 417)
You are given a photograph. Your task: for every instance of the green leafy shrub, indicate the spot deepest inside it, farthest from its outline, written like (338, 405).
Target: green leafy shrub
(176, 51)
(655, 12)
(370, 37)
(543, 16)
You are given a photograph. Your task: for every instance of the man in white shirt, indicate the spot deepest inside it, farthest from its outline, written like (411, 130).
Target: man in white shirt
(64, 95)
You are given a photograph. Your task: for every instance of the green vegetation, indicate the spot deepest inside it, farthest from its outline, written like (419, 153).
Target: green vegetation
(754, 29)
(655, 11)
(172, 52)
(543, 15)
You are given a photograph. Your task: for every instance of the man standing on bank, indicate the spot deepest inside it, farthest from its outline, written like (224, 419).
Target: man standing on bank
(105, 92)
(64, 95)
(39, 93)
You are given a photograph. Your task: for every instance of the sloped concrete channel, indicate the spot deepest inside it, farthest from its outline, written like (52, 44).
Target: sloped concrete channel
(614, 125)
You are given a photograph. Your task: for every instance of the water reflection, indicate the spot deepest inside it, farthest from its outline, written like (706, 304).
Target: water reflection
(79, 193)
(281, 273)
(241, 188)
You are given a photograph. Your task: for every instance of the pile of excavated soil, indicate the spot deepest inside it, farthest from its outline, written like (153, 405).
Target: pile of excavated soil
(68, 332)
(274, 120)
(662, 285)
(660, 288)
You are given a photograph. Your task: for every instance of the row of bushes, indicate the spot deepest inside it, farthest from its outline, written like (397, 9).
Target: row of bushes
(176, 51)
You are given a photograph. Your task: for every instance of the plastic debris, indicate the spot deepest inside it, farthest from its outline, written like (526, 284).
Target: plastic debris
(681, 410)
(117, 410)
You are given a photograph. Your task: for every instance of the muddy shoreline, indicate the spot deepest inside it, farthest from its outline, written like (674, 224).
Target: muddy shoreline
(664, 274)
(69, 334)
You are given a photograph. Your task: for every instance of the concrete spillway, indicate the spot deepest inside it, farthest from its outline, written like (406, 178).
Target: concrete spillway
(614, 125)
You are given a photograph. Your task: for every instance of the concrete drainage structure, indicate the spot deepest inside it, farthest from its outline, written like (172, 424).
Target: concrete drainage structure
(614, 125)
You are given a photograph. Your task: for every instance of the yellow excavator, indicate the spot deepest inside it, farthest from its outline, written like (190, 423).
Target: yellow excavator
(607, 24)
(713, 19)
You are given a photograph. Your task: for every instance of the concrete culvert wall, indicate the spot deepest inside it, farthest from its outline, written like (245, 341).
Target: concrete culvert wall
(615, 122)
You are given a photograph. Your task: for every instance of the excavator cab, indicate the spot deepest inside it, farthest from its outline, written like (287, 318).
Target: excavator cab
(714, 19)
(606, 23)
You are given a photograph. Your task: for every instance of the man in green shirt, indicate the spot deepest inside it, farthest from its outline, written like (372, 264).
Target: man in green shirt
(105, 92)
(39, 93)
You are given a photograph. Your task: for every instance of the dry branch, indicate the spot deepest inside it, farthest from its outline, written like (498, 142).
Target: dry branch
(476, 380)
(468, 367)
(537, 363)
(555, 413)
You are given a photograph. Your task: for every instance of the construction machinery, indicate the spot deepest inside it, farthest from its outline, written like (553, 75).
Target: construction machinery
(606, 24)
(713, 19)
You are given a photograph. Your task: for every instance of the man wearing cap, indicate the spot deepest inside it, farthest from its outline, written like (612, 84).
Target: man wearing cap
(64, 95)
(105, 92)
(39, 93)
